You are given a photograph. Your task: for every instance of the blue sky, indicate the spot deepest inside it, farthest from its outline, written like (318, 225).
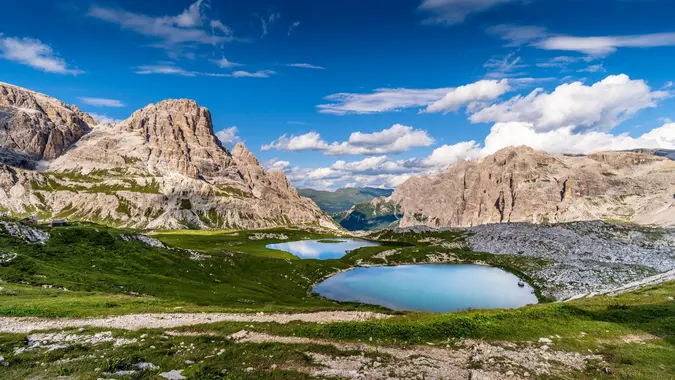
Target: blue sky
(369, 92)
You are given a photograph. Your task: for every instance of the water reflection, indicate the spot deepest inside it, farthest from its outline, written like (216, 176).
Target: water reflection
(436, 288)
(322, 249)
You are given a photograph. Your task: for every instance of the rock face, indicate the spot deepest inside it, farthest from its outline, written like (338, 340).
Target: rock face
(161, 168)
(34, 126)
(519, 184)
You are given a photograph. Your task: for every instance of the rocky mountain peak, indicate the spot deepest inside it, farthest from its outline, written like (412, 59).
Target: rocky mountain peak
(520, 184)
(179, 138)
(35, 126)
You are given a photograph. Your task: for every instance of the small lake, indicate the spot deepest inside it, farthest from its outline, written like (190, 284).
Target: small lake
(438, 288)
(322, 249)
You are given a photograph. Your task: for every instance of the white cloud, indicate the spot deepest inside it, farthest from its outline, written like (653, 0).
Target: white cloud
(603, 105)
(292, 27)
(276, 164)
(102, 102)
(228, 136)
(218, 25)
(593, 69)
(455, 11)
(382, 100)
(519, 35)
(503, 67)
(604, 45)
(167, 69)
(187, 27)
(104, 119)
(256, 74)
(565, 140)
(397, 139)
(224, 63)
(470, 94)
(306, 66)
(34, 53)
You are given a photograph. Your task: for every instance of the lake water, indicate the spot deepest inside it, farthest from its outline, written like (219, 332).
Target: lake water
(322, 249)
(436, 287)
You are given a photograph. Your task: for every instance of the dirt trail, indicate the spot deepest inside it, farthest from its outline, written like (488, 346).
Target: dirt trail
(498, 360)
(162, 321)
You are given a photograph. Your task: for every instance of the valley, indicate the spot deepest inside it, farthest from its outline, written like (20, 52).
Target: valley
(261, 310)
(146, 249)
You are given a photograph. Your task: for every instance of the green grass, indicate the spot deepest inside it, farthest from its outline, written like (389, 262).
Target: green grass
(105, 275)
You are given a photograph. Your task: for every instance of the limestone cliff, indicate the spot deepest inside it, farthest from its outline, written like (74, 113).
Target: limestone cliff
(161, 168)
(34, 126)
(519, 184)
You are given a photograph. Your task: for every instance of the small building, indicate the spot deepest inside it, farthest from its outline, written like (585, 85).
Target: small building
(59, 223)
(31, 219)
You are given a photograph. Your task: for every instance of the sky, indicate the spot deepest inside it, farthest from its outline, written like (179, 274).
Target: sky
(364, 92)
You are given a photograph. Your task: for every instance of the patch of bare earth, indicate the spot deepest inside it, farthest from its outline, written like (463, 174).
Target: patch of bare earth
(165, 321)
(470, 359)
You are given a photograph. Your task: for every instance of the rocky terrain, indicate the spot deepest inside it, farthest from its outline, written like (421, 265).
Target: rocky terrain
(586, 257)
(161, 168)
(566, 260)
(518, 184)
(34, 126)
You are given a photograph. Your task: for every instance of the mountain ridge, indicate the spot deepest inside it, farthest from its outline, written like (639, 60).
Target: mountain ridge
(163, 167)
(520, 184)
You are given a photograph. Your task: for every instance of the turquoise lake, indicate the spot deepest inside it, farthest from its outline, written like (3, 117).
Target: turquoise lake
(435, 287)
(322, 249)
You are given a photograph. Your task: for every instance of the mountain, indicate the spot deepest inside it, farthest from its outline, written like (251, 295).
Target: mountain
(34, 126)
(519, 184)
(377, 214)
(161, 168)
(343, 199)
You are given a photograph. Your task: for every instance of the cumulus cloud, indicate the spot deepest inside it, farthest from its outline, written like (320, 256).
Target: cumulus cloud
(471, 94)
(228, 136)
(102, 102)
(34, 53)
(397, 139)
(190, 26)
(455, 11)
(602, 105)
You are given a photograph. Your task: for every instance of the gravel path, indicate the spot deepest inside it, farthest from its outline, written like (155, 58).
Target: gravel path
(140, 321)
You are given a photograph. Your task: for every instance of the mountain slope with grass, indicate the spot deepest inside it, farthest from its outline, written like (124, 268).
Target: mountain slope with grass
(184, 277)
(161, 168)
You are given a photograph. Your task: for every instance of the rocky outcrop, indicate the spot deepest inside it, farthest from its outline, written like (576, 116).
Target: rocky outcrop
(34, 126)
(161, 168)
(519, 184)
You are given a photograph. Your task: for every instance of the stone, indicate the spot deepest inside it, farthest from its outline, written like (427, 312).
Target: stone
(545, 340)
(175, 374)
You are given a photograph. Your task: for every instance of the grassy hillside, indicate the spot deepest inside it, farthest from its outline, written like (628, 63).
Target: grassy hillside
(105, 274)
(343, 199)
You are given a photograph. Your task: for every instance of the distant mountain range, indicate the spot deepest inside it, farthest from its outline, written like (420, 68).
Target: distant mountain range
(343, 199)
